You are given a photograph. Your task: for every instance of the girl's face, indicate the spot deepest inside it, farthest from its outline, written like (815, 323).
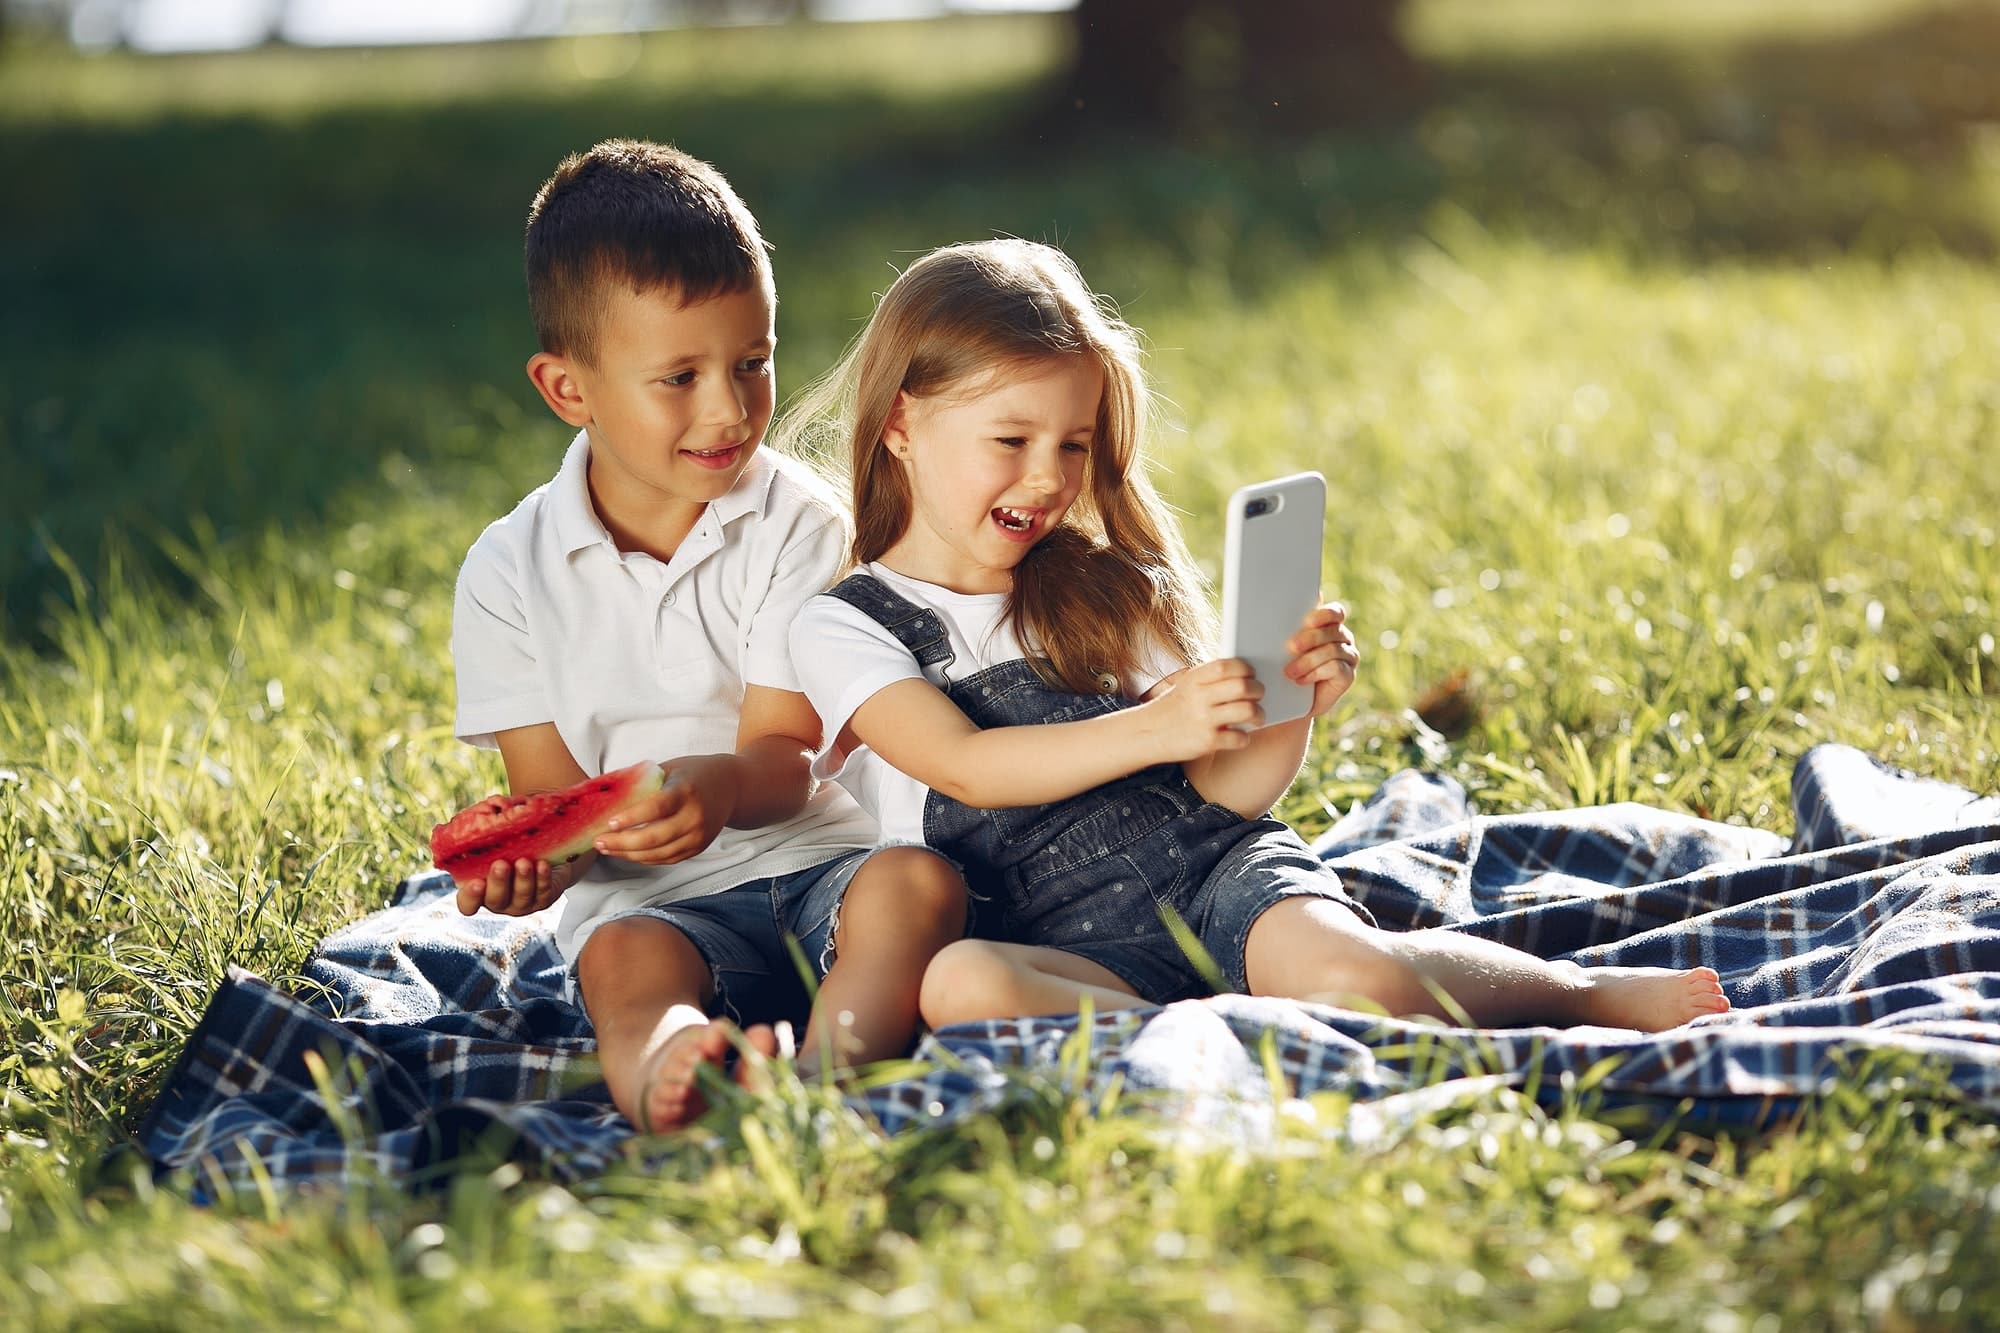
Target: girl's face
(994, 464)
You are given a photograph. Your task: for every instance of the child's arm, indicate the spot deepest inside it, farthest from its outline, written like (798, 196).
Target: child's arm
(767, 780)
(1251, 779)
(915, 727)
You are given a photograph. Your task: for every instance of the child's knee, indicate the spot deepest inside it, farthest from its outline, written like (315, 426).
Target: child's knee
(640, 961)
(968, 980)
(1315, 955)
(918, 888)
(633, 941)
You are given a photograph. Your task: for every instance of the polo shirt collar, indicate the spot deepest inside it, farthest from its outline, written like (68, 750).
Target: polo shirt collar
(577, 523)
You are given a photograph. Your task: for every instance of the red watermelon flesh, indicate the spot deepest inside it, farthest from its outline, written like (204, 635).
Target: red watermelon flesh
(552, 826)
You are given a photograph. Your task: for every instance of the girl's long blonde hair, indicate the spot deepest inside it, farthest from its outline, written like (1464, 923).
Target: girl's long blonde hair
(1115, 577)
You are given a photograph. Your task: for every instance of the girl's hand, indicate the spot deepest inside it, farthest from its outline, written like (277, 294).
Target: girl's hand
(1324, 655)
(681, 818)
(521, 887)
(1207, 708)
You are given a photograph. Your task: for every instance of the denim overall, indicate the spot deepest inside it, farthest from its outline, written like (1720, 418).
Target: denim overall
(1090, 874)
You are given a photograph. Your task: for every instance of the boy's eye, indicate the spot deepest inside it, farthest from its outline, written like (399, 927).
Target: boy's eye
(679, 378)
(1013, 441)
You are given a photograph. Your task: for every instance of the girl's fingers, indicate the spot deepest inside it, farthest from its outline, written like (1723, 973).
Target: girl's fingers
(1315, 665)
(1324, 617)
(1221, 669)
(1307, 640)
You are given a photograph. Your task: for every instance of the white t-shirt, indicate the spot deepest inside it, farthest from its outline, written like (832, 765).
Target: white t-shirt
(844, 658)
(633, 659)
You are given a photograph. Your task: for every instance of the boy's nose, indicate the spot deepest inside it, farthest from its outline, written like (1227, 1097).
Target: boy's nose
(724, 406)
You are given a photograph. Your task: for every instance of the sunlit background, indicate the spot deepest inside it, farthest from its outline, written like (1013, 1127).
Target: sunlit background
(235, 25)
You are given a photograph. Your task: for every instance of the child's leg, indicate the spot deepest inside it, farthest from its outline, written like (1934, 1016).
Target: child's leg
(979, 979)
(902, 905)
(646, 989)
(1315, 948)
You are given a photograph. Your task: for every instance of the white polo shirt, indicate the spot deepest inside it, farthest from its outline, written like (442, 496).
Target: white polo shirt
(633, 659)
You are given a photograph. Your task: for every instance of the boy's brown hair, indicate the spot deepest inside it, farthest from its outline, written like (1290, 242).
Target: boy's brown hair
(641, 213)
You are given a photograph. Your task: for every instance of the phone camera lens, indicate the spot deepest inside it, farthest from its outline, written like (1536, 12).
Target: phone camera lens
(1256, 507)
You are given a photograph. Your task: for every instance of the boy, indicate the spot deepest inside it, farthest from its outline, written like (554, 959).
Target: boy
(638, 607)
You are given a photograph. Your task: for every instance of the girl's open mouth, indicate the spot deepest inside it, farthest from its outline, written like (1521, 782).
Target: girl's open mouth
(1015, 522)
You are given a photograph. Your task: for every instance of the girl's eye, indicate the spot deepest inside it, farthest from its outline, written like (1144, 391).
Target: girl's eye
(1014, 441)
(756, 365)
(1075, 447)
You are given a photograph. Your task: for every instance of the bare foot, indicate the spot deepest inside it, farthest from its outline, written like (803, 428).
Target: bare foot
(1650, 998)
(670, 1094)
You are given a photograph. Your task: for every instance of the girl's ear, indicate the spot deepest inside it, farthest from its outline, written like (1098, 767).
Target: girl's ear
(896, 430)
(560, 389)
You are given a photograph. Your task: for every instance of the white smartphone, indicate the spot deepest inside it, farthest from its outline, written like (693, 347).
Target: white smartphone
(1270, 579)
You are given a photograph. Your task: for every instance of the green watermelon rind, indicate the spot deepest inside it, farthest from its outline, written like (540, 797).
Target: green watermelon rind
(552, 826)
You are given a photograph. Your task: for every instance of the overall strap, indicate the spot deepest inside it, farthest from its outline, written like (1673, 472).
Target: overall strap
(917, 628)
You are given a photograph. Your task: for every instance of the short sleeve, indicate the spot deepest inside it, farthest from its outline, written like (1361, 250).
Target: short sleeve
(844, 659)
(1156, 663)
(492, 649)
(812, 554)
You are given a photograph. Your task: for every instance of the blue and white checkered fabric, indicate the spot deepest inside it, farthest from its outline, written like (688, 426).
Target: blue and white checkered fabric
(425, 1036)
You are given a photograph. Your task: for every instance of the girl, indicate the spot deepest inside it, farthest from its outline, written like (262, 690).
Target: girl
(1006, 678)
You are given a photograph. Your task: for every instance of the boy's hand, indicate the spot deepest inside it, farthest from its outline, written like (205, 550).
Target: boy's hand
(521, 887)
(1206, 708)
(681, 818)
(1324, 655)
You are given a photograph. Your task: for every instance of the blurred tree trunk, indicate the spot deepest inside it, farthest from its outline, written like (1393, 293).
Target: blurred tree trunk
(1180, 66)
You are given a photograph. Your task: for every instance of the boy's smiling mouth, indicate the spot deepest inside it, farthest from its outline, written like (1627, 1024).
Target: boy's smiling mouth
(720, 457)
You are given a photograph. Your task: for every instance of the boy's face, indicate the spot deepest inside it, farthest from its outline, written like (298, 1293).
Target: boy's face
(678, 400)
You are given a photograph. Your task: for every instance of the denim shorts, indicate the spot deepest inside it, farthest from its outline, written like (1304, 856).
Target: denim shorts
(742, 933)
(1251, 878)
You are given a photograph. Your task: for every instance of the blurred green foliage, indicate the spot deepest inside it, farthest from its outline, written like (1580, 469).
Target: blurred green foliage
(238, 289)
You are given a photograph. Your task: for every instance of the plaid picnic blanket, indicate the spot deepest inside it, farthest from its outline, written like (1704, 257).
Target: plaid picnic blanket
(423, 1036)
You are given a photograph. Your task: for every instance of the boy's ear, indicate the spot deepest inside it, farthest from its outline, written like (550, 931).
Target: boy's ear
(556, 381)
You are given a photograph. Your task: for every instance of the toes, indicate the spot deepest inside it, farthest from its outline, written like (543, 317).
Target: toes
(714, 1039)
(668, 1097)
(759, 1045)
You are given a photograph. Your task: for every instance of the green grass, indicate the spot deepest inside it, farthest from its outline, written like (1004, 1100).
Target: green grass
(1652, 368)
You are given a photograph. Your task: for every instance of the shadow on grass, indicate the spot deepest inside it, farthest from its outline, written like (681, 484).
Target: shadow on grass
(238, 321)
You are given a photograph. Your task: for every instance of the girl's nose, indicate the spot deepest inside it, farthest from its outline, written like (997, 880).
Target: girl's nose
(1043, 474)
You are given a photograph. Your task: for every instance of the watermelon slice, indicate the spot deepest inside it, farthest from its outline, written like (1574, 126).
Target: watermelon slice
(552, 826)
